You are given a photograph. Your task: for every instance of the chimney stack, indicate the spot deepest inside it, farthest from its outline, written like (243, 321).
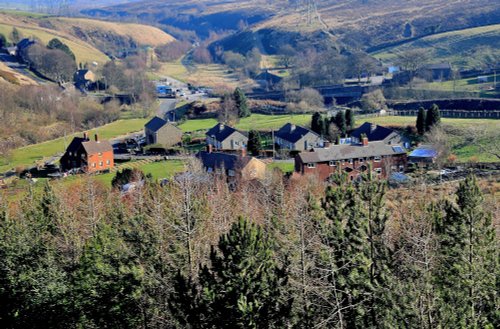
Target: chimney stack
(364, 141)
(96, 138)
(244, 152)
(209, 148)
(373, 127)
(327, 144)
(292, 127)
(221, 126)
(86, 136)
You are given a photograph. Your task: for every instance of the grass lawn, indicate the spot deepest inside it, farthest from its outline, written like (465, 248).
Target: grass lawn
(285, 167)
(255, 121)
(28, 155)
(159, 170)
(468, 85)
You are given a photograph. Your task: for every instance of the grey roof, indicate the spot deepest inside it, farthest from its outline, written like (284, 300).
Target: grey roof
(219, 160)
(75, 144)
(221, 131)
(93, 147)
(155, 124)
(350, 151)
(293, 133)
(372, 131)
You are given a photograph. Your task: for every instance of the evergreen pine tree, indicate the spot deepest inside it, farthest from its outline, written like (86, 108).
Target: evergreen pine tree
(243, 288)
(468, 262)
(317, 124)
(340, 121)
(433, 117)
(349, 119)
(254, 142)
(421, 121)
(241, 103)
(15, 36)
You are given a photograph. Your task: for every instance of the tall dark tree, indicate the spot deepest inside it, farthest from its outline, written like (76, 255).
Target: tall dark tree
(254, 142)
(241, 103)
(3, 40)
(433, 117)
(349, 119)
(243, 287)
(340, 121)
(467, 273)
(421, 121)
(15, 35)
(317, 124)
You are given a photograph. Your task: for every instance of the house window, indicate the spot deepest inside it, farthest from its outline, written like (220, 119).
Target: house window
(311, 165)
(93, 164)
(378, 159)
(100, 164)
(108, 162)
(332, 164)
(378, 171)
(210, 169)
(351, 161)
(231, 173)
(361, 160)
(100, 154)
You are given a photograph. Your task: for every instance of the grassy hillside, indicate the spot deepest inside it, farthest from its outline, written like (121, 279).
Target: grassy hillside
(84, 52)
(88, 39)
(355, 23)
(454, 47)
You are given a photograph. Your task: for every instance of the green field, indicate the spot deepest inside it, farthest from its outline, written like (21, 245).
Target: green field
(467, 85)
(28, 155)
(457, 134)
(255, 121)
(454, 47)
(158, 170)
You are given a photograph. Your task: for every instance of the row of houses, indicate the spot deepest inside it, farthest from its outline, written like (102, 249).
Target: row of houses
(370, 149)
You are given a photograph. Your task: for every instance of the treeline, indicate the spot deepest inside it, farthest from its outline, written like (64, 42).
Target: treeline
(33, 114)
(275, 254)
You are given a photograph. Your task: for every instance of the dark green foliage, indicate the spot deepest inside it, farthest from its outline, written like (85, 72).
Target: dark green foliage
(468, 261)
(254, 142)
(421, 121)
(126, 176)
(433, 117)
(241, 103)
(15, 36)
(349, 119)
(317, 124)
(3, 40)
(243, 287)
(57, 44)
(108, 283)
(340, 122)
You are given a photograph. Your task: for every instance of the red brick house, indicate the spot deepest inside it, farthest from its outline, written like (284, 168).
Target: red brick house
(353, 159)
(90, 156)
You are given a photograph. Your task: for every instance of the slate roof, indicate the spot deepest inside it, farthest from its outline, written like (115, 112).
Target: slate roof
(75, 144)
(155, 124)
(93, 147)
(220, 132)
(219, 160)
(292, 133)
(379, 133)
(350, 151)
